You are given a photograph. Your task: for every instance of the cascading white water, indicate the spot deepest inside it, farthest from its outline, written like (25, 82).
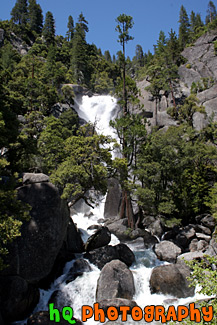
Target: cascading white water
(81, 291)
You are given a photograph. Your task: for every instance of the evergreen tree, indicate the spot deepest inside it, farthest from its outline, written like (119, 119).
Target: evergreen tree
(35, 16)
(192, 21)
(161, 43)
(70, 26)
(183, 27)
(211, 12)
(82, 25)
(195, 22)
(19, 12)
(107, 56)
(79, 62)
(124, 24)
(198, 21)
(139, 56)
(49, 28)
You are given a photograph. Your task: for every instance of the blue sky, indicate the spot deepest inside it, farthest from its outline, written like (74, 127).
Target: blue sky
(150, 16)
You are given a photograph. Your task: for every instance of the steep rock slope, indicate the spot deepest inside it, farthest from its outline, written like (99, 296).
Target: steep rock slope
(201, 70)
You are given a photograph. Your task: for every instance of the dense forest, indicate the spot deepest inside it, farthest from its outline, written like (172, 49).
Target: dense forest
(172, 172)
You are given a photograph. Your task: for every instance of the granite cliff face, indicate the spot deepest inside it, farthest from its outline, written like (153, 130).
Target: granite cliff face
(200, 69)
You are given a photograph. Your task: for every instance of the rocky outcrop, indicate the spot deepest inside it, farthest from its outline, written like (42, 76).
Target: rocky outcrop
(101, 256)
(30, 178)
(201, 62)
(115, 281)
(19, 44)
(171, 279)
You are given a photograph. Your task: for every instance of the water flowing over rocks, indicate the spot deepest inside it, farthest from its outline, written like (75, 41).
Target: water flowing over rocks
(115, 281)
(79, 267)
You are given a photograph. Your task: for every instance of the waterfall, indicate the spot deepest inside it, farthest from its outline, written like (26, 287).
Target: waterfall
(81, 291)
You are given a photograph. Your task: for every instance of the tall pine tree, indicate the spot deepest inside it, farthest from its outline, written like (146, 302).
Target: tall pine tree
(35, 16)
(183, 27)
(70, 26)
(49, 28)
(79, 60)
(211, 12)
(19, 12)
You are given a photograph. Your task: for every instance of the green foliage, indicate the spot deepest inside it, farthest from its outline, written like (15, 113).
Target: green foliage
(174, 171)
(11, 216)
(204, 274)
(52, 139)
(85, 165)
(202, 85)
(124, 24)
(102, 83)
(185, 112)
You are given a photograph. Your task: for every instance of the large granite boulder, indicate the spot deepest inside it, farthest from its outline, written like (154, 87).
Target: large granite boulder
(172, 280)
(115, 281)
(103, 255)
(33, 254)
(185, 236)
(119, 227)
(167, 251)
(100, 238)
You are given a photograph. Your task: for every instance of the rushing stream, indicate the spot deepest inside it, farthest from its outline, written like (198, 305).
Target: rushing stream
(81, 291)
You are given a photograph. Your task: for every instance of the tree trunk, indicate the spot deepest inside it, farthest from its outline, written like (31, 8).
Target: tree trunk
(126, 209)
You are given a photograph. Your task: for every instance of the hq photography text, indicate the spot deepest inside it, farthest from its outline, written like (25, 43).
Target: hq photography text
(148, 313)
